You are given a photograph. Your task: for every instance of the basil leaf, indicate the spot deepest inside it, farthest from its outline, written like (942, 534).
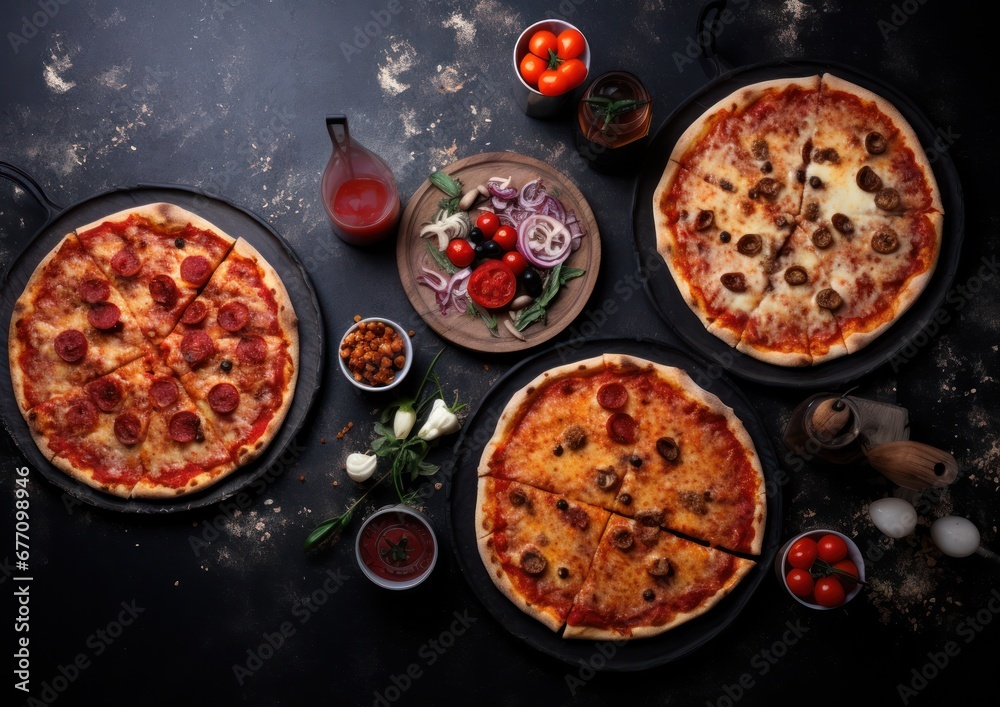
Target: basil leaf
(441, 259)
(537, 311)
(447, 184)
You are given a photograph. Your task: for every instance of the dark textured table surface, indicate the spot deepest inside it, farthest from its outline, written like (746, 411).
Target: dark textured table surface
(220, 604)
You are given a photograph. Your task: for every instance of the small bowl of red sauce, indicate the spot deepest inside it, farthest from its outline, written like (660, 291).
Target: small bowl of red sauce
(396, 547)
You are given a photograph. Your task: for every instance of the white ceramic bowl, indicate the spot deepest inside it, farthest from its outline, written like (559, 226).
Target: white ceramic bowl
(399, 376)
(781, 566)
(532, 101)
(406, 530)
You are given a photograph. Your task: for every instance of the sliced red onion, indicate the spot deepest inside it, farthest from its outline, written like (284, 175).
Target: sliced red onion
(447, 293)
(551, 206)
(507, 193)
(532, 195)
(544, 241)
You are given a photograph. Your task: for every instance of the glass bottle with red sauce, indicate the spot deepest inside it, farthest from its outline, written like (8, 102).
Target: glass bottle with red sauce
(359, 191)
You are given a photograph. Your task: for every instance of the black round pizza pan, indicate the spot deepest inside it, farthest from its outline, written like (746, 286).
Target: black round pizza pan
(667, 299)
(236, 222)
(462, 481)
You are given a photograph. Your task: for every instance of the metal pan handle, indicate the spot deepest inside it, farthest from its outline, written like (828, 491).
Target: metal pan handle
(26, 182)
(710, 22)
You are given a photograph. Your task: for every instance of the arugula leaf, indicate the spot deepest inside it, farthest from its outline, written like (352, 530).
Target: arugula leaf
(537, 311)
(441, 259)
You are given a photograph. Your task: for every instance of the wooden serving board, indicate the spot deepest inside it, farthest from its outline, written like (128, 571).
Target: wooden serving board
(471, 332)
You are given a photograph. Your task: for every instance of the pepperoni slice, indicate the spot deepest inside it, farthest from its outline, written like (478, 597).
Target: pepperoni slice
(128, 428)
(195, 312)
(196, 347)
(81, 415)
(71, 345)
(612, 396)
(93, 290)
(163, 391)
(184, 426)
(223, 398)
(195, 269)
(125, 262)
(622, 428)
(163, 290)
(233, 316)
(252, 349)
(105, 392)
(104, 315)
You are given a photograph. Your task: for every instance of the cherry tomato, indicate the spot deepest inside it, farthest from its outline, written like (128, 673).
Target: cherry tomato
(488, 223)
(541, 42)
(848, 568)
(575, 71)
(829, 592)
(831, 548)
(506, 237)
(802, 553)
(460, 252)
(552, 83)
(570, 44)
(532, 67)
(515, 261)
(800, 583)
(492, 284)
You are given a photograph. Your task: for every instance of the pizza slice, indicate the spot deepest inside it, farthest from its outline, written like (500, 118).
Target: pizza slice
(181, 453)
(644, 581)
(865, 158)
(720, 248)
(753, 143)
(877, 266)
(537, 546)
(244, 296)
(788, 328)
(95, 434)
(158, 256)
(68, 327)
(244, 389)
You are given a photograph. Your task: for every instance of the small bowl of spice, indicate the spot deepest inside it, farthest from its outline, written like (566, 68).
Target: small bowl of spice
(375, 354)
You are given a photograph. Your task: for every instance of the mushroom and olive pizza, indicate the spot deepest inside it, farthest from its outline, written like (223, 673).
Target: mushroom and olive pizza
(799, 218)
(617, 499)
(152, 354)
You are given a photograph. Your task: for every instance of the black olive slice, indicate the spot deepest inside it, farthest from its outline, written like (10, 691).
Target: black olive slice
(734, 281)
(750, 244)
(796, 275)
(704, 220)
(533, 562)
(875, 143)
(829, 299)
(822, 238)
(843, 224)
(667, 448)
(885, 241)
(868, 180)
(887, 199)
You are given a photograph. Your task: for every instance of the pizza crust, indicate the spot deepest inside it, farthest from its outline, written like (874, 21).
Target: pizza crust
(164, 213)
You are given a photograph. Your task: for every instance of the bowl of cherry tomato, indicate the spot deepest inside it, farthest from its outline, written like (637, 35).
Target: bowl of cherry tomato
(821, 569)
(551, 61)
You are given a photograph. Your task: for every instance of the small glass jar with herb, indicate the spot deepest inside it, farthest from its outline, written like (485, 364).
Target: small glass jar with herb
(613, 121)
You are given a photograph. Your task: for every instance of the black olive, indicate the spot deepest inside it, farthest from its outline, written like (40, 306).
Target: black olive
(479, 250)
(179, 243)
(226, 366)
(532, 282)
(476, 235)
(492, 249)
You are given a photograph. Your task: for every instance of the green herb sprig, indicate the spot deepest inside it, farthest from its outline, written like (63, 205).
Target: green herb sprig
(451, 187)
(537, 310)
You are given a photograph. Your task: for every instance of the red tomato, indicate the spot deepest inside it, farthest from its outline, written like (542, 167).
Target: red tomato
(532, 67)
(492, 284)
(515, 261)
(829, 592)
(460, 252)
(802, 553)
(552, 83)
(575, 71)
(800, 583)
(506, 237)
(541, 42)
(831, 548)
(847, 567)
(488, 223)
(570, 44)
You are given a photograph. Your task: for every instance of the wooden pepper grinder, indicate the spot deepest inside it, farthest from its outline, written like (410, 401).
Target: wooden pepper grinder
(844, 428)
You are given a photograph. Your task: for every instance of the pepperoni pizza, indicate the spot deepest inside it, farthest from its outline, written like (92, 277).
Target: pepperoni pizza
(799, 218)
(617, 499)
(152, 354)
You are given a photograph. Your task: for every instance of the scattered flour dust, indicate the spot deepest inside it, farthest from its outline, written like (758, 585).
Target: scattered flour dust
(402, 59)
(448, 80)
(464, 29)
(497, 16)
(55, 68)
(115, 76)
